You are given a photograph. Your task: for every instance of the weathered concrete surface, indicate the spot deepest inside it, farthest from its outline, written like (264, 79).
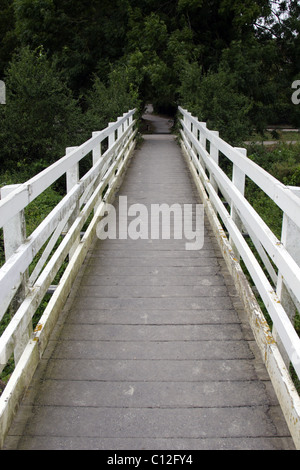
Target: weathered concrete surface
(153, 350)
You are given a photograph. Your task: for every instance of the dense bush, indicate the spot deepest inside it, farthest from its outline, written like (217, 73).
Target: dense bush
(214, 98)
(40, 118)
(105, 102)
(283, 162)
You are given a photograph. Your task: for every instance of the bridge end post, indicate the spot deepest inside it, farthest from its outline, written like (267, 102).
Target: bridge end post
(14, 234)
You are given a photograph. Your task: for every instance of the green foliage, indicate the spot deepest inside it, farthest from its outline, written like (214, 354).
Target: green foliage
(283, 162)
(8, 38)
(106, 102)
(78, 34)
(230, 62)
(40, 118)
(214, 98)
(245, 13)
(159, 42)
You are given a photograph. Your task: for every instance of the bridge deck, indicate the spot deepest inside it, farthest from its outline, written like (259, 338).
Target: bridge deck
(153, 350)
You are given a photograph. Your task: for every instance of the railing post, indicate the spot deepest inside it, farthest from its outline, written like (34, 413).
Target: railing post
(14, 234)
(130, 120)
(290, 236)
(111, 137)
(202, 136)
(97, 154)
(119, 129)
(125, 124)
(97, 151)
(238, 179)
(202, 143)
(194, 131)
(214, 153)
(187, 122)
(72, 176)
(124, 129)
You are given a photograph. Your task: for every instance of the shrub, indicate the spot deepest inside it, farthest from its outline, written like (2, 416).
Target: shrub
(106, 102)
(40, 118)
(214, 98)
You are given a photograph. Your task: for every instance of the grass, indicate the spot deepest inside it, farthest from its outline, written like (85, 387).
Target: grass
(277, 135)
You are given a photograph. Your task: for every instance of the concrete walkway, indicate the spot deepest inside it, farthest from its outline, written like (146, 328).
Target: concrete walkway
(153, 350)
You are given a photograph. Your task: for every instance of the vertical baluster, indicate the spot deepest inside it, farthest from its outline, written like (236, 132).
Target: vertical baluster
(14, 234)
(238, 179)
(185, 124)
(97, 154)
(72, 176)
(187, 121)
(214, 153)
(97, 150)
(111, 137)
(202, 139)
(119, 129)
(195, 132)
(124, 129)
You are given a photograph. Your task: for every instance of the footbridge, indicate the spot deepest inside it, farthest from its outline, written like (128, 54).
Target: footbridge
(122, 330)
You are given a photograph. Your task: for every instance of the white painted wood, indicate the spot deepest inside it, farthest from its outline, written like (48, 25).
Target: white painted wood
(28, 191)
(11, 272)
(41, 262)
(242, 210)
(107, 169)
(14, 231)
(271, 244)
(284, 388)
(97, 150)
(44, 281)
(72, 180)
(277, 191)
(290, 238)
(111, 137)
(238, 179)
(14, 234)
(214, 153)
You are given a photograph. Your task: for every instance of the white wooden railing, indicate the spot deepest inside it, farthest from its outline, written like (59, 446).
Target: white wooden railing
(60, 237)
(231, 215)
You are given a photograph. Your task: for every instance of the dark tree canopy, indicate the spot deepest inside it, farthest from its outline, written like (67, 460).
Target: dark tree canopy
(231, 62)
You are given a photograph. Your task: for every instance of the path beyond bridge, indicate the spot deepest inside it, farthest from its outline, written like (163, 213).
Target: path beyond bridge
(153, 349)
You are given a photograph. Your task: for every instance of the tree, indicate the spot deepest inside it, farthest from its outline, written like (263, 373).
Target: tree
(216, 23)
(153, 44)
(78, 34)
(281, 28)
(107, 101)
(40, 118)
(8, 38)
(214, 98)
